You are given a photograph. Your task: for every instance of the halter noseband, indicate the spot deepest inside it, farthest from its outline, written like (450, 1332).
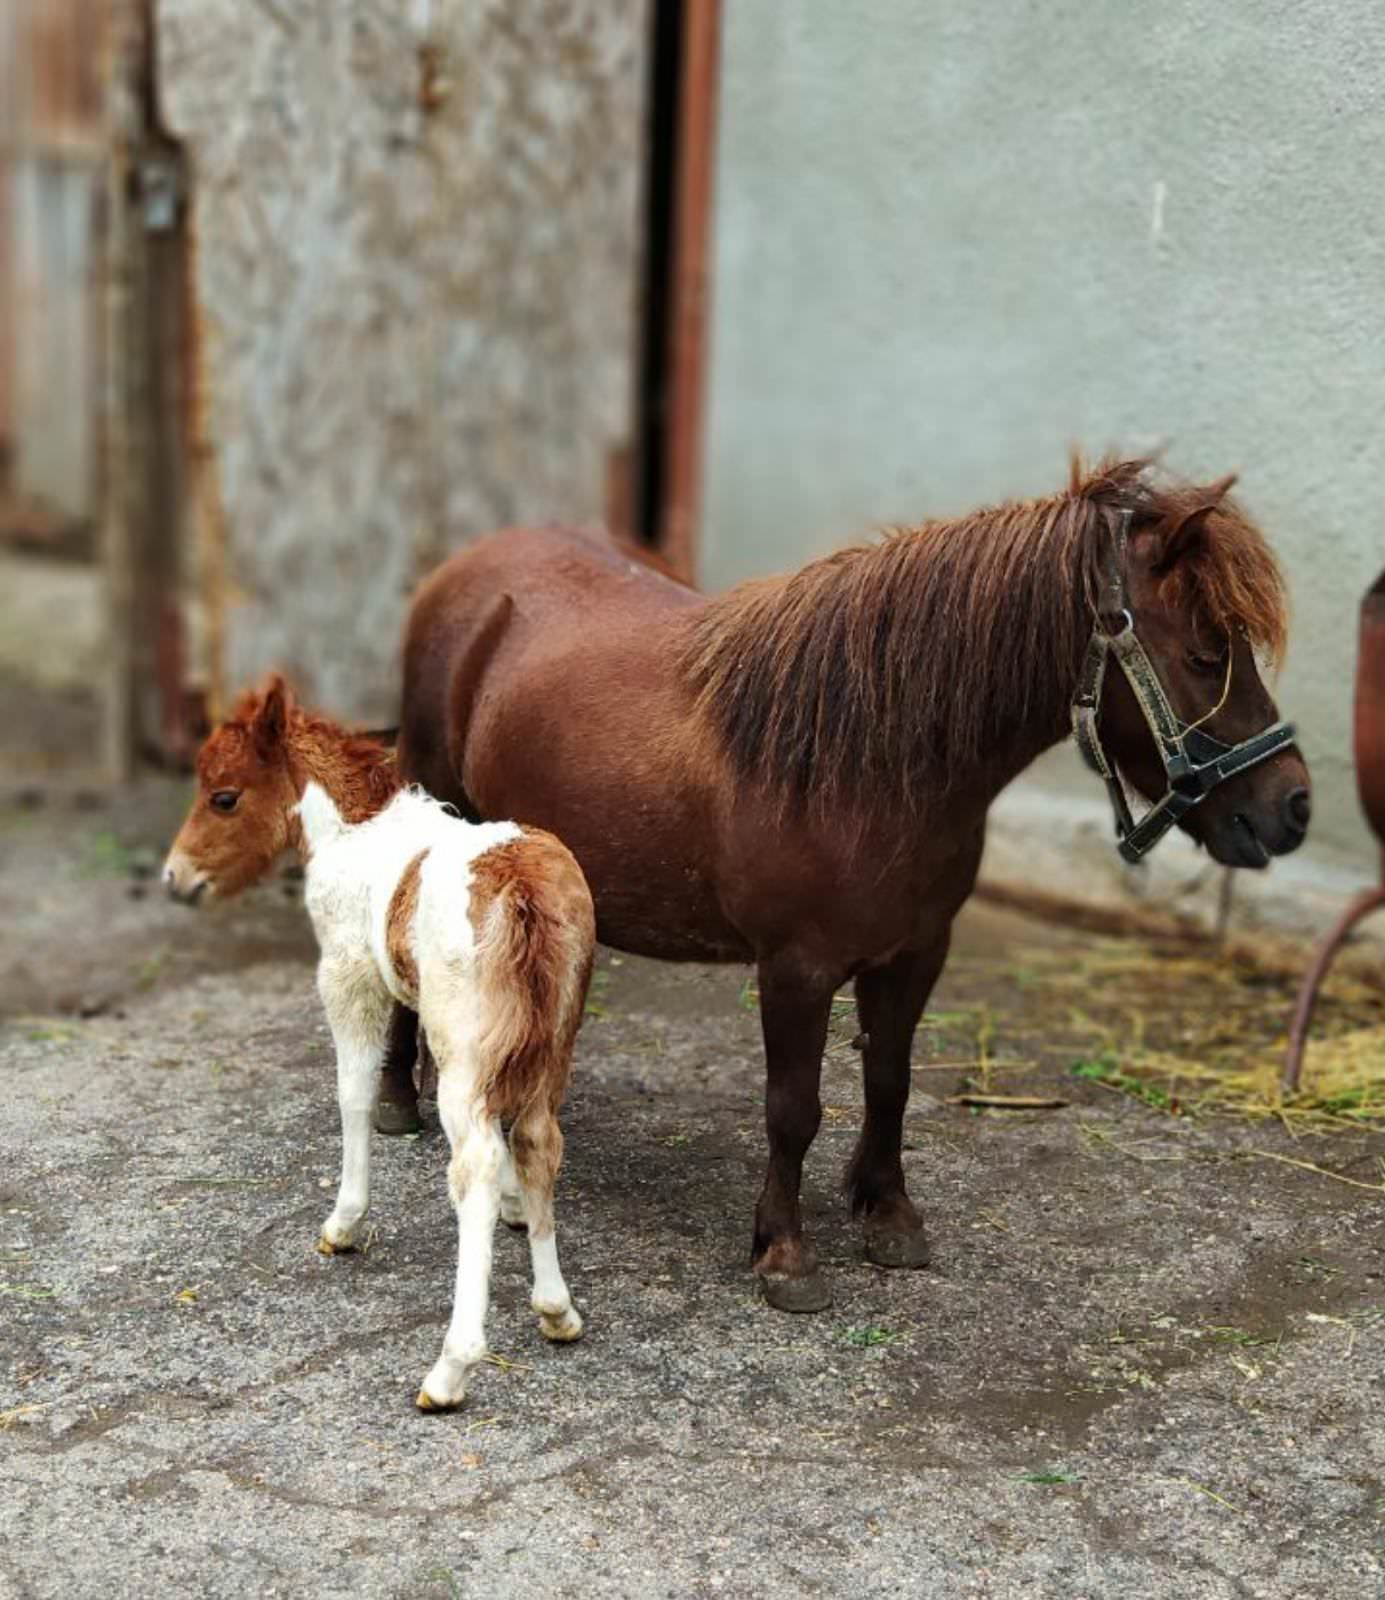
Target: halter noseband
(1194, 762)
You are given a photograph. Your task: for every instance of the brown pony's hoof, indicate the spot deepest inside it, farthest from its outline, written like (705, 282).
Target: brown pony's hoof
(393, 1117)
(808, 1292)
(897, 1247)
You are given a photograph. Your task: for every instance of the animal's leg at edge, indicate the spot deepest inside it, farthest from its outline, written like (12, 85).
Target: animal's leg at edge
(1361, 906)
(473, 1181)
(794, 1012)
(397, 1109)
(358, 1029)
(889, 1002)
(537, 1146)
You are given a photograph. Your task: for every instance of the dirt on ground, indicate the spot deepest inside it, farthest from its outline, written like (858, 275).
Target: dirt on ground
(1147, 1359)
(53, 660)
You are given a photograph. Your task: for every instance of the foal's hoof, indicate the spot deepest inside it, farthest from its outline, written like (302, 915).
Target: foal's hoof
(561, 1327)
(395, 1117)
(808, 1292)
(897, 1247)
(426, 1402)
(325, 1247)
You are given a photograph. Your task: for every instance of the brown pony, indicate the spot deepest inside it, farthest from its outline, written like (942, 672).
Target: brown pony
(797, 773)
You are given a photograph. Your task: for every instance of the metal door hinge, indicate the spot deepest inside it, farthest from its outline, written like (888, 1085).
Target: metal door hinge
(160, 191)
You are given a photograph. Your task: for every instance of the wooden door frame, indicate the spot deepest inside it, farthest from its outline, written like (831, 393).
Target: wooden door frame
(151, 714)
(671, 388)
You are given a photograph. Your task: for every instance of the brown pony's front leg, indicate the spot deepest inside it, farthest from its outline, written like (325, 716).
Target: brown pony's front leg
(794, 1012)
(396, 1111)
(889, 1002)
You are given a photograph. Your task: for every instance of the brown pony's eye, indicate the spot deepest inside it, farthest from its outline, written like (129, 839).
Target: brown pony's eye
(225, 800)
(1210, 663)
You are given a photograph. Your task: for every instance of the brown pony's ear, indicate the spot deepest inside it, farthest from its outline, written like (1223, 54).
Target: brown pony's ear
(1179, 537)
(272, 716)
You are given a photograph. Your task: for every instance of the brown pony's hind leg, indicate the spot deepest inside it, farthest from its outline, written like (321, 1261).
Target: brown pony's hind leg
(890, 1001)
(794, 1012)
(396, 1111)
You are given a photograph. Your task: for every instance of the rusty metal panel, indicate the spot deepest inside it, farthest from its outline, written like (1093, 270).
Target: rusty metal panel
(9, 33)
(13, 18)
(51, 155)
(60, 45)
(54, 373)
(691, 292)
(6, 328)
(52, 55)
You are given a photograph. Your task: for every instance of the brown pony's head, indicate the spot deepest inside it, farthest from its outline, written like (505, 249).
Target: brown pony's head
(242, 817)
(1206, 596)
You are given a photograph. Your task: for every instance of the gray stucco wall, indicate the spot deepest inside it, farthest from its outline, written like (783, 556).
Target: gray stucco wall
(417, 324)
(953, 239)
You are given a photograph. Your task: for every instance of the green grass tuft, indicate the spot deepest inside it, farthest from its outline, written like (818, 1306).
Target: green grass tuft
(868, 1336)
(1106, 1070)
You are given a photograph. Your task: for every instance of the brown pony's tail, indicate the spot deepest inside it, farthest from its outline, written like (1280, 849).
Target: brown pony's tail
(536, 934)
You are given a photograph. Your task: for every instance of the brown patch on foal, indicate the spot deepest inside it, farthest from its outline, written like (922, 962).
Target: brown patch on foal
(251, 774)
(535, 933)
(399, 926)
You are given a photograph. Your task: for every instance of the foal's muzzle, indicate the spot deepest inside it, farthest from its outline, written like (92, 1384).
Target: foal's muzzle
(183, 882)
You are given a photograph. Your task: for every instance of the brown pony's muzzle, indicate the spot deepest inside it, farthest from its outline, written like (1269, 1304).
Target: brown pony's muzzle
(1261, 814)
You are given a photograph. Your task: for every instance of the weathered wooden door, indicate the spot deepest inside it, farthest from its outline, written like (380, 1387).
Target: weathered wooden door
(51, 184)
(52, 187)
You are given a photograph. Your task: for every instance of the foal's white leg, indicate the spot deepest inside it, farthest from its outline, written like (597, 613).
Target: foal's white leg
(473, 1179)
(359, 1022)
(537, 1144)
(558, 1317)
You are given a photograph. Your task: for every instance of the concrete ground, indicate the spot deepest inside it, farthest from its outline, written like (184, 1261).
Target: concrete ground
(53, 659)
(1147, 1361)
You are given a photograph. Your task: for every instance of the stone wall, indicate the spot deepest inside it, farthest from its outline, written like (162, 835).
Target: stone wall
(415, 239)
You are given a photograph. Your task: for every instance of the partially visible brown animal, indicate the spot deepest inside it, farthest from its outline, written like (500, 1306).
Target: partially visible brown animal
(797, 773)
(485, 931)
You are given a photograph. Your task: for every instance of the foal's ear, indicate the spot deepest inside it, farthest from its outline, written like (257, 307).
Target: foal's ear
(272, 717)
(1180, 537)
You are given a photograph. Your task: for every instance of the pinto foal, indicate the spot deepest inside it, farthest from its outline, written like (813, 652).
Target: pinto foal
(486, 931)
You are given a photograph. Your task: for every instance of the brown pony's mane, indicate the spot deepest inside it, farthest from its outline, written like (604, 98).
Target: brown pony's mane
(357, 770)
(880, 671)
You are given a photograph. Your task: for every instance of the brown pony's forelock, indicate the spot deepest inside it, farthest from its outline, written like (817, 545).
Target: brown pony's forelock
(874, 674)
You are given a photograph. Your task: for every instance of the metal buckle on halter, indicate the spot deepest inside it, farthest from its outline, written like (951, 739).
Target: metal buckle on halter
(1194, 761)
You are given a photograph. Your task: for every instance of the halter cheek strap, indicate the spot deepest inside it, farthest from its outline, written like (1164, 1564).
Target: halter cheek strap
(1194, 762)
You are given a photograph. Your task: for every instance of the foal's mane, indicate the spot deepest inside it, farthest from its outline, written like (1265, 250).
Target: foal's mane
(357, 770)
(876, 673)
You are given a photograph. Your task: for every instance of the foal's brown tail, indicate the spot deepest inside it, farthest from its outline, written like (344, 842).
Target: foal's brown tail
(536, 935)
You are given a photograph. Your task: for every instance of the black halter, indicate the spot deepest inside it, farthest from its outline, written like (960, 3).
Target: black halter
(1194, 762)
